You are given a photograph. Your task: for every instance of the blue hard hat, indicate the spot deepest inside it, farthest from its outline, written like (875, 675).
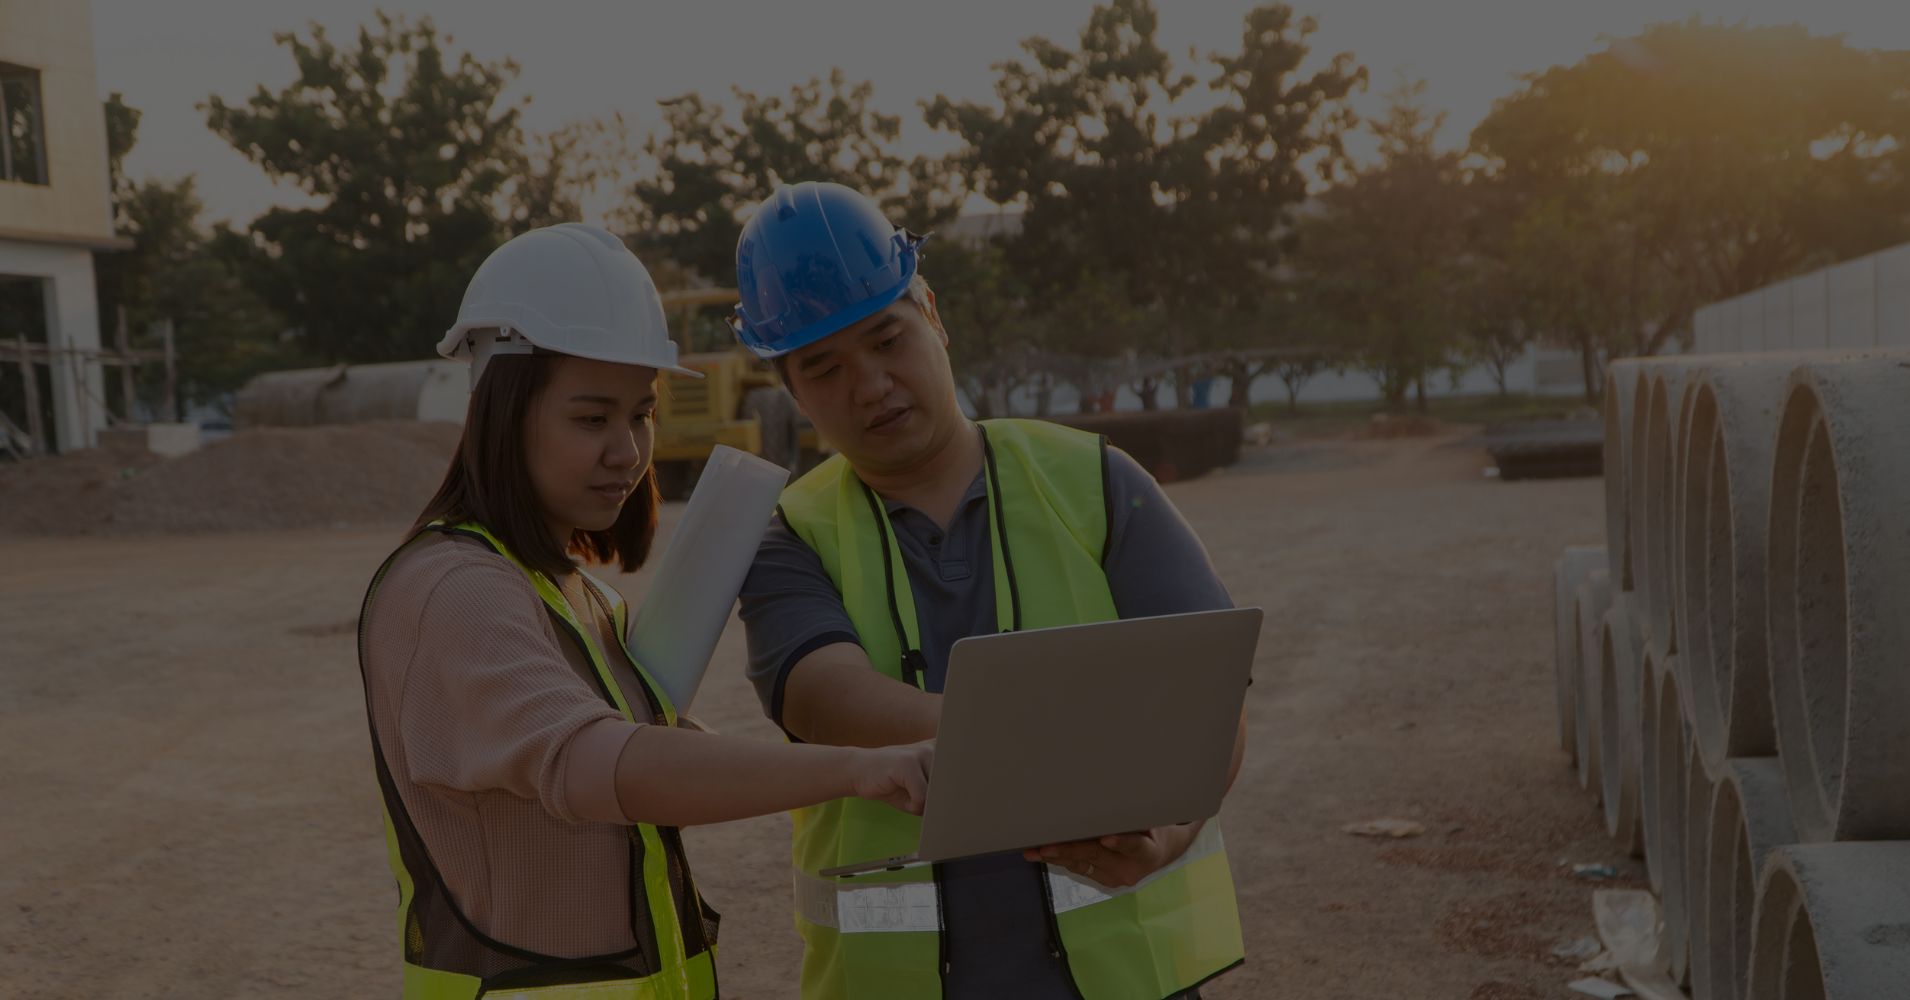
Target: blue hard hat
(816, 258)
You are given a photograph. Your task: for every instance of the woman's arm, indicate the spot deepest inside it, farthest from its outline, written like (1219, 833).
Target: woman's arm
(681, 777)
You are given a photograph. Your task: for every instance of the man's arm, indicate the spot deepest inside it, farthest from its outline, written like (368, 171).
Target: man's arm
(833, 696)
(807, 662)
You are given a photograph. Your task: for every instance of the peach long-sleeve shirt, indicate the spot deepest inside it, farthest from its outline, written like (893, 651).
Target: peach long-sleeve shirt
(503, 750)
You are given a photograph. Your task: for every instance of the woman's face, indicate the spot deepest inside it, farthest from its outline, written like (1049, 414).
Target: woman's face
(588, 440)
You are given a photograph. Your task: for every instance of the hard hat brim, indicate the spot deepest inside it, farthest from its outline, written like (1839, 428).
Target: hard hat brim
(453, 346)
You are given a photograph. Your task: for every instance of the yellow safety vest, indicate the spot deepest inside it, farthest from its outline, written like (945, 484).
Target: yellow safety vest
(879, 935)
(671, 929)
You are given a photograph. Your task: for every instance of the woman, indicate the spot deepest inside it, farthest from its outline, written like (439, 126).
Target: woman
(533, 775)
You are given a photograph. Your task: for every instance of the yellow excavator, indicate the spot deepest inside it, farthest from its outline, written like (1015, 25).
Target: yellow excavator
(738, 402)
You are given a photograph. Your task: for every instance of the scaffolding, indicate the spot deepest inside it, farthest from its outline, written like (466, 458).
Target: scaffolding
(29, 356)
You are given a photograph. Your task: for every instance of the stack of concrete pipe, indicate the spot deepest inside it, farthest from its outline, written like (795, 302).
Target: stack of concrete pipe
(1733, 666)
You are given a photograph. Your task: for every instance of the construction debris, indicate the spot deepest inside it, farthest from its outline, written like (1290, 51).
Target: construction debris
(1396, 829)
(1592, 986)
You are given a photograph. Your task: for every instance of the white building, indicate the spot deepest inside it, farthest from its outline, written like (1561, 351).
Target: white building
(55, 206)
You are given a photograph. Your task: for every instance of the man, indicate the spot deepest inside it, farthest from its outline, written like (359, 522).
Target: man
(927, 528)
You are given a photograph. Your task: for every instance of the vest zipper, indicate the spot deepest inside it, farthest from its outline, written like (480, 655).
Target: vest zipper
(941, 930)
(1056, 950)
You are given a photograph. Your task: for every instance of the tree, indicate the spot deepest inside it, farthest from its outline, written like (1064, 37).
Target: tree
(1380, 253)
(557, 171)
(409, 151)
(982, 303)
(1092, 334)
(173, 274)
(712, 168)
(1491, 332)
(1076, 140)
(1576, 263)
(1494, 316)
(122, 132)
(223, 333)
(1170, 208)
(1737, 156)
(1285, 335)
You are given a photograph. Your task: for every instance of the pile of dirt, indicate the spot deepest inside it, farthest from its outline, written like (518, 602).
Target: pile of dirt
(374, 473)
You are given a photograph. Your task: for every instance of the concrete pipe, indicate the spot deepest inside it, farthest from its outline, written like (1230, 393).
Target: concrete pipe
(1750, 817)
(1685, 401)
(402, 390)
(1621, 385)
(1699, 790)
(1656, 499)
(1681, 512)
(1621, 652)
(1727, 501)
(1637, 444)
(1651, 773)
(1568, 574)
(1637, 483)
(1668, 746)
(1833, 923)
(1839, 580)
(1594, 599)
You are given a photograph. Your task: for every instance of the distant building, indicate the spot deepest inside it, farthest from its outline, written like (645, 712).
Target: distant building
(55, 210)
(973, 228)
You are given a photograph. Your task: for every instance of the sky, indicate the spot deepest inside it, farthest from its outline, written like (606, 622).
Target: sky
(580, 60)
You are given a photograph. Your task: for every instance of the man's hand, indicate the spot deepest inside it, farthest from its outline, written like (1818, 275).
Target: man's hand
(1122, 859)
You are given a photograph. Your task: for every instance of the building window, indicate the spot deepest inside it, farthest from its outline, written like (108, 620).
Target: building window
(22, 134)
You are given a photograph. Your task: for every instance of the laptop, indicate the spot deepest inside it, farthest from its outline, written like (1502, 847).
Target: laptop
(1060, 734)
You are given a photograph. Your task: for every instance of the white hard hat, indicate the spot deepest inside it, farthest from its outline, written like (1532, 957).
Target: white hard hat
(574, 289)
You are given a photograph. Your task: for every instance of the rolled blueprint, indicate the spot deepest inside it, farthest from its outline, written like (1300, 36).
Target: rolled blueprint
(689, 599)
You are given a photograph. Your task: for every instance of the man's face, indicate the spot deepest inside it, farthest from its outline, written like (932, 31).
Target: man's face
(881, 390)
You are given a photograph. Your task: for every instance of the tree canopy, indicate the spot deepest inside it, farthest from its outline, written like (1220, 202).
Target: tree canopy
(1173, 215)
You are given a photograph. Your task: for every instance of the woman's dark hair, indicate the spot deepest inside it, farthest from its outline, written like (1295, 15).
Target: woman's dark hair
(489, 480)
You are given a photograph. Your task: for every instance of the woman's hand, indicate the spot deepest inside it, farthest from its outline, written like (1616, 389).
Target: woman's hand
(894, 776)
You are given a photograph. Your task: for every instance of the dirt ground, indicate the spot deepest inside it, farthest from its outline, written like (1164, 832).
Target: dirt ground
(189, 809)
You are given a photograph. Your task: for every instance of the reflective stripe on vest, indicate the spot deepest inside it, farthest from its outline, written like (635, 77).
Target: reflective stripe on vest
(850, 909)
(874, 909)
(683, 976)
(879, 934)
